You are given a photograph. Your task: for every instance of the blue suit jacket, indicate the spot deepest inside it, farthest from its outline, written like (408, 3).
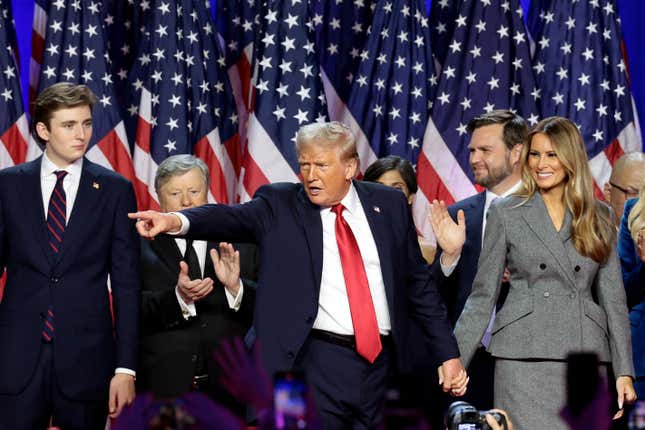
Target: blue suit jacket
(455, 288)
(288, 229)
(99, 240)
(634, 281)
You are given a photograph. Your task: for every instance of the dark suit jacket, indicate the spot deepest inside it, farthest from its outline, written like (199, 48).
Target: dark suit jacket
(170, 343)
(99, 240)
(288, 229)
(455, 288)
(634, 279)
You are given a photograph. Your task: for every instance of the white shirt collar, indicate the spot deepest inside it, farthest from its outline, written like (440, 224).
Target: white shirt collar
(350, 202)
(490, 196)
(47, 167)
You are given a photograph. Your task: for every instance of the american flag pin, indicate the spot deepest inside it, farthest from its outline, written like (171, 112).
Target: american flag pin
(377, 209)
(96, 185)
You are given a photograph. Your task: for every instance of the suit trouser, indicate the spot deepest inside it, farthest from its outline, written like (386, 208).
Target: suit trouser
(42, 400)
(348, 390)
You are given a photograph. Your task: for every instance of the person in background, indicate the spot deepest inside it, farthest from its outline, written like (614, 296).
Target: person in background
(558, 243)
(627, 176)
(63, 231)
(191, 296)
(342, 275)
(631, 249)
(398, 172)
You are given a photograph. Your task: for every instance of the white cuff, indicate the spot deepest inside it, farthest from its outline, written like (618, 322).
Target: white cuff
(185, 225)
(235, 302)
(126, 371)
(447, 270)
(187, 309)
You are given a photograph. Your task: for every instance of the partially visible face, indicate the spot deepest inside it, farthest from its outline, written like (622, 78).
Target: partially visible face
(392, 178)
(68, 134)
(545, 166)
(490, 159)
(625, 185)
(183, 191)
(325, 175)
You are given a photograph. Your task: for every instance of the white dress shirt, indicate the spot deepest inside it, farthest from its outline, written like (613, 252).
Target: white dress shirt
(71, 181)
(333, 304)
(188, 309)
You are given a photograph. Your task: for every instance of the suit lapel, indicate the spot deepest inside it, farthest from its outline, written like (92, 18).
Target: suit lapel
(475, 212)
(87, 200)
(378, 226)
(34, 212)
(537, 217)
(167, 250)
(309, 216)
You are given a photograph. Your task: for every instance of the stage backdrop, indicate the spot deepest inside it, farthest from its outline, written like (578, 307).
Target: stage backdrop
(632, 13)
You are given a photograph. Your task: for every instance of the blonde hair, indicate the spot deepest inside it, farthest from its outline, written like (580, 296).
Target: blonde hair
(328, 134)
(592, 230)
(636, 218)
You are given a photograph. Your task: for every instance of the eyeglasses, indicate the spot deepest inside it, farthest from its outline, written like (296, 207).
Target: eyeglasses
(628, 193)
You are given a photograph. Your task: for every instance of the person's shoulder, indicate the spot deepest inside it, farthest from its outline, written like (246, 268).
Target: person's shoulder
(20, 169)
(510, 202)
(278, 188)
(469, 201)
(375, 187)
(105, 175)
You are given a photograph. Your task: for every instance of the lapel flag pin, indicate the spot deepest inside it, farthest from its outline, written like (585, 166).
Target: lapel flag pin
(377, 209)
(96, 185)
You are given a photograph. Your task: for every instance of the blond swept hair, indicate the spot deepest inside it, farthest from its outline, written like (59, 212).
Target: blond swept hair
(592, 230)
(636, 218)
(328, 134)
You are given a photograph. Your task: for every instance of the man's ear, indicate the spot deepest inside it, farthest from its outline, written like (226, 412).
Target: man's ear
(42, 131)
(606, 192)
(351, 169)
(516, 153)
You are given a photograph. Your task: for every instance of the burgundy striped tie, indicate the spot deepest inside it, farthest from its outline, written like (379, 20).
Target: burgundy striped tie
(56, 219)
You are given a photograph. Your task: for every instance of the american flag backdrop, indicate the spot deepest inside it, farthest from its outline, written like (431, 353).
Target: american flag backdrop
(341, 34)
(182, 98)
(581, 71)
(487, 67)
(236, 22)
(288, 93)
(14, 129)
(261, 69)
(75, 51)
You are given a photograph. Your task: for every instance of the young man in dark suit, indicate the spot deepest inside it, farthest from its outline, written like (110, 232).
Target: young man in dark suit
(63, 230)
(342, 274)
(191, 296)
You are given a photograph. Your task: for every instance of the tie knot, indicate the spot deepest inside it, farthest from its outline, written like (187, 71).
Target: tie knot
(60, 174)
(338, 209)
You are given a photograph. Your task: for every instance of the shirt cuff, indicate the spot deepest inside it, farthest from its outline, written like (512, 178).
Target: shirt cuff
(185, 225)
(447, 270)
(235, 302)
(126, 371)
(187, 309)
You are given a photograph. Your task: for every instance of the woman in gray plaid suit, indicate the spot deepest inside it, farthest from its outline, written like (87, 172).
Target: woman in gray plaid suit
(566, 292)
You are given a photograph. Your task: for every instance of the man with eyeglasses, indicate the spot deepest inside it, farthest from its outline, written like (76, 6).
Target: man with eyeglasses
(627, 176)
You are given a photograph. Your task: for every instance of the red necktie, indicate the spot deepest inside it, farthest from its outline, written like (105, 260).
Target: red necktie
(368, 340)
(56, 219)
